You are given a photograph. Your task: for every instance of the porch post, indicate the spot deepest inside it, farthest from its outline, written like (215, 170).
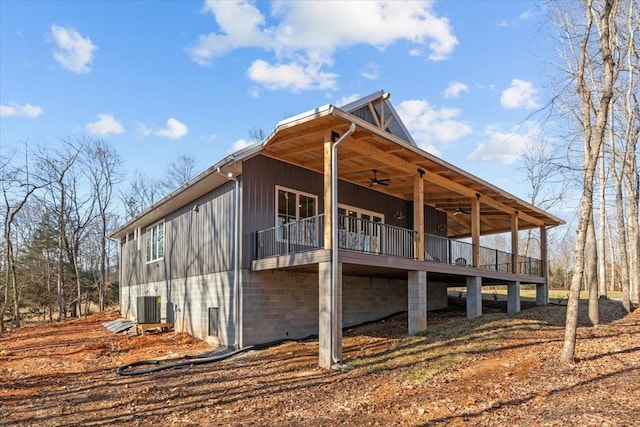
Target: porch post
(327, 191)
(474, 297)
(513, 297)
(475, 232)
(418, 216)
(514, 243)
(417, 301)
(324, 269)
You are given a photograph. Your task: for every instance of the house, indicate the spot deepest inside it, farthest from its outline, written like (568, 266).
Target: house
(243, 254)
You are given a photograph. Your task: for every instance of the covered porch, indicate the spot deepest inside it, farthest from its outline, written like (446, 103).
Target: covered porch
(357, 147)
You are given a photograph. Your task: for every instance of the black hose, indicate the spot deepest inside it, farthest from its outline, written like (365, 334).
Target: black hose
(126, 370)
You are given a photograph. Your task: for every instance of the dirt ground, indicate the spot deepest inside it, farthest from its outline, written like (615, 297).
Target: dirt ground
(64, 375)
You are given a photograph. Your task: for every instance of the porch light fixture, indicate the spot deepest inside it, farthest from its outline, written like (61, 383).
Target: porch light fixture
(196, 208)
(398, 215)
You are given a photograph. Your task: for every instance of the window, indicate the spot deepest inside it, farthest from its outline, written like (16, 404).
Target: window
(291, 207)
(359, 229)
(155, 242)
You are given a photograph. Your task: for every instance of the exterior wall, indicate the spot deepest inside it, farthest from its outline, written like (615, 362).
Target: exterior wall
(261, 175)
(436, 296)
(280, 304)
(185, 302)
(196, 243)
(197, 269)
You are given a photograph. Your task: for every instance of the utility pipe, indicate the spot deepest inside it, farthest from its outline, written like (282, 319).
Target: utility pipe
(236, 255)
(334, 244)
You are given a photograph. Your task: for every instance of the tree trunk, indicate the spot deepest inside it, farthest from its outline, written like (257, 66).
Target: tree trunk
(103, 269)
(592, 143)
(602, 259)
(14, 285)
(5, 302)
(571, 324)
(62, 312)
(78, 283)
(592, 273)
(49, 305)
(622, 241)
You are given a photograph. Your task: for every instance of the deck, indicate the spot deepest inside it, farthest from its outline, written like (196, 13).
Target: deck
(376, 249)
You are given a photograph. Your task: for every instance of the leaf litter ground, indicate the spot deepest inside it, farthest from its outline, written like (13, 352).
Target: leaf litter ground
(496, 370)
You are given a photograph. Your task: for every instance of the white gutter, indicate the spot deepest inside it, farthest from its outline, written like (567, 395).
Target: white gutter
(236, 256)
(334, 245)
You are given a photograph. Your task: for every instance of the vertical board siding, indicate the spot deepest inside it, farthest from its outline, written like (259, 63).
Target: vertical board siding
(261, 175)
(196, 242)
(201, 241)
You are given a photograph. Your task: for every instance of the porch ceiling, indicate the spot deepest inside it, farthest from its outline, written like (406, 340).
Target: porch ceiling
(446, 188)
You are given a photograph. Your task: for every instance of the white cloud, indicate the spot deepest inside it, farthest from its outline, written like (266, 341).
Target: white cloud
(301, 42)
(505, 146)
(254, 92)
(73, 52)
(455, 89)
(347, 99)
(429, 125)
(143, 130)
(105, 125)
(174, 130)
(239, 145)
(521, 94)
(292, 76)
(24, 110)
(372, 72)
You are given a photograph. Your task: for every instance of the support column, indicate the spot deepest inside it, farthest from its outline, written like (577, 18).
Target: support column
(475, 230)
(417, 301)
(327, 191)
(418, 216)
(513, 297)
(325, 315)
(542, 294)
(474, 297)
(514, 243)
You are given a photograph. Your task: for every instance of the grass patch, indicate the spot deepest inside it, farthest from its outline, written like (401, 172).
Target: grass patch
(420, 357)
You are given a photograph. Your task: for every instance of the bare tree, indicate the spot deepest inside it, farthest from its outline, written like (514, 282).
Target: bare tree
(143, 191)
(588, 41)
(17, 187)
(257, 134)
(57, 166)
(630, 130)
(80, 214)
(547, 186)
(103, 169)
(178, 173)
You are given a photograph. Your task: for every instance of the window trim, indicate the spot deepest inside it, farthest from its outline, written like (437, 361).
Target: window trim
(149, 244)
(361, 211)
(298, 193)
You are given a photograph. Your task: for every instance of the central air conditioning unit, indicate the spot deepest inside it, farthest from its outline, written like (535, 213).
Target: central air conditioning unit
(148, 309)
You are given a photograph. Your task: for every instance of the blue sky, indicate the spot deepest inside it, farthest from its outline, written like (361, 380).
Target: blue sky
(159, 79)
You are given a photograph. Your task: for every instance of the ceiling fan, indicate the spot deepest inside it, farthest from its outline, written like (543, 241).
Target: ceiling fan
(460, 211)
(376, 181)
